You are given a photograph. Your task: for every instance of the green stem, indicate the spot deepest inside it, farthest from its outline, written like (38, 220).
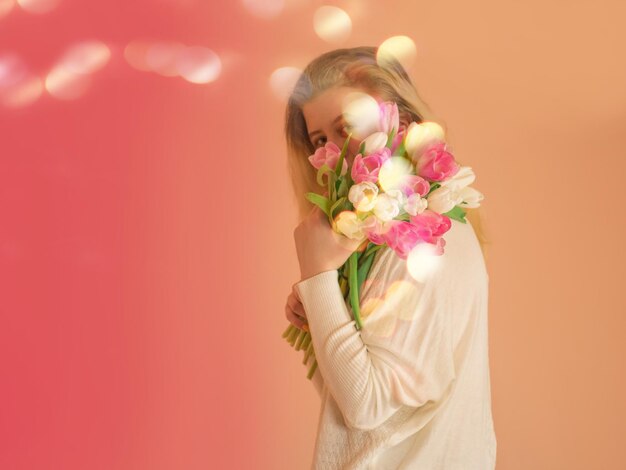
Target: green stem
(309, 351)
(293, 336)
(354, 289)
(288, 330)
(312, 370)
(301, 337)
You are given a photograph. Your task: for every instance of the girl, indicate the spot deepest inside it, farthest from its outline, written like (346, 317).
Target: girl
(411, 389)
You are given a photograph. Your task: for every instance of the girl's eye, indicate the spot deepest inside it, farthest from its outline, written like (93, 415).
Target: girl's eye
(320, 142)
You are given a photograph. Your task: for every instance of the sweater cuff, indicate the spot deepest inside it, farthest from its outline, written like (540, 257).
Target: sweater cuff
(323, 301)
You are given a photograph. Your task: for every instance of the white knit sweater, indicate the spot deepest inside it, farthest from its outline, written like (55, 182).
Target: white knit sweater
(411, 389)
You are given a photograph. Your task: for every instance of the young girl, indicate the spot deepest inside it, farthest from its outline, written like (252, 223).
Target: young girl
(411, 389)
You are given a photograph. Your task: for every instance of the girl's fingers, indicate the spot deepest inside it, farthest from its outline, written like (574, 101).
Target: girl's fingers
(296, 306)
(295, 319)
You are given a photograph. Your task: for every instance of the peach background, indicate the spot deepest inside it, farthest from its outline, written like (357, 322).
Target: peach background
(146, 248)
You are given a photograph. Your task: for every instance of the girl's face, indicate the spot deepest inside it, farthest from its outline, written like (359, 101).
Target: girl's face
(325, 121)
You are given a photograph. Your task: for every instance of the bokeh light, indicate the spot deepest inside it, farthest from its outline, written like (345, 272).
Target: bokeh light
(18, 86)
(394, 172)
(283, 80)
(264, 8)
(5, 7)
(26, 92)
(198, 64)
(419, 135)
(71, 76)
(38, 6)
(332, 24)
(401, 48)
(86, 57)
(64, 84)
(162, 57)
(136, 54)
(361, 112)
(422, 261)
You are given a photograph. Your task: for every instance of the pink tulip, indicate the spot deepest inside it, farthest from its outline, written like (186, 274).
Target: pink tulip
(401, 237)
(329, 155)
(431, 225)
(436, 163)
(389, 117)
(415, 184)
(375, 229)
(367, 168)
(397, 140)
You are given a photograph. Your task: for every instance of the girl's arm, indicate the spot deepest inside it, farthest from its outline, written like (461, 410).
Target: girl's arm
(402, 356)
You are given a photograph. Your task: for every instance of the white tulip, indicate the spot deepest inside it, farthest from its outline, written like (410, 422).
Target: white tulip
(363, 196)
(462, 178)
(471, 197)
(350, 225)
(387, 207)
(443, 199)
(415, 204)
(374, 142)
(398, 195)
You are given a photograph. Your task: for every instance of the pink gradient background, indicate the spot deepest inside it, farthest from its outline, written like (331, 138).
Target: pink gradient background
(146, 246)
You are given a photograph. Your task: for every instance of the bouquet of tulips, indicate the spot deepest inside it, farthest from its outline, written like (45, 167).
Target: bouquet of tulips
(401, 190)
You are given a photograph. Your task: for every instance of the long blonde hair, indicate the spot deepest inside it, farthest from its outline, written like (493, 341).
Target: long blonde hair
(356, 67)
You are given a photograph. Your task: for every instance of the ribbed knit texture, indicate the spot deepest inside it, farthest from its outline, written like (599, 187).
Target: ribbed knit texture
(410, 390)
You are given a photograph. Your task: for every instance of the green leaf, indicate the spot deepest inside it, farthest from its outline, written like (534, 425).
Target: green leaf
(324, 169)
(362, 148)
(337, 203)
(400, 150)
(332, 192)
(320, 201)
(354, 289)
(371, 248)
(390, 139)
(456, 213)
(342, 156)
(364, 268)
(433, 187)
(343, 187)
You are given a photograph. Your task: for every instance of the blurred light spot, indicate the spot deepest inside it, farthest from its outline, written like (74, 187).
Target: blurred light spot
(401, 48)
(162, 57)
(393, 173)
(283, 80)
(27, 91)
(422, 261)
(65, 84)
(86, 57)
(361, 112)
(420, 135)
(12, 70)
(18, 87)
(198, 64)
(5, 7)
(70, 77)
(332, 24)
(136, 54)
(38, 6)
(264, 8)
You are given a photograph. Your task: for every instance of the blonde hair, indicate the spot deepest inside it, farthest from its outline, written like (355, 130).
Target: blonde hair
(356, 67)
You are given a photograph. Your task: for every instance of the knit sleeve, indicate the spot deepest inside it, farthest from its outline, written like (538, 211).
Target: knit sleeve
(401, 356)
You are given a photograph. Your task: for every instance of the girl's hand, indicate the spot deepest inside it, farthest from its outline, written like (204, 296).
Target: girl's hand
(319, 247)
(295, 312)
